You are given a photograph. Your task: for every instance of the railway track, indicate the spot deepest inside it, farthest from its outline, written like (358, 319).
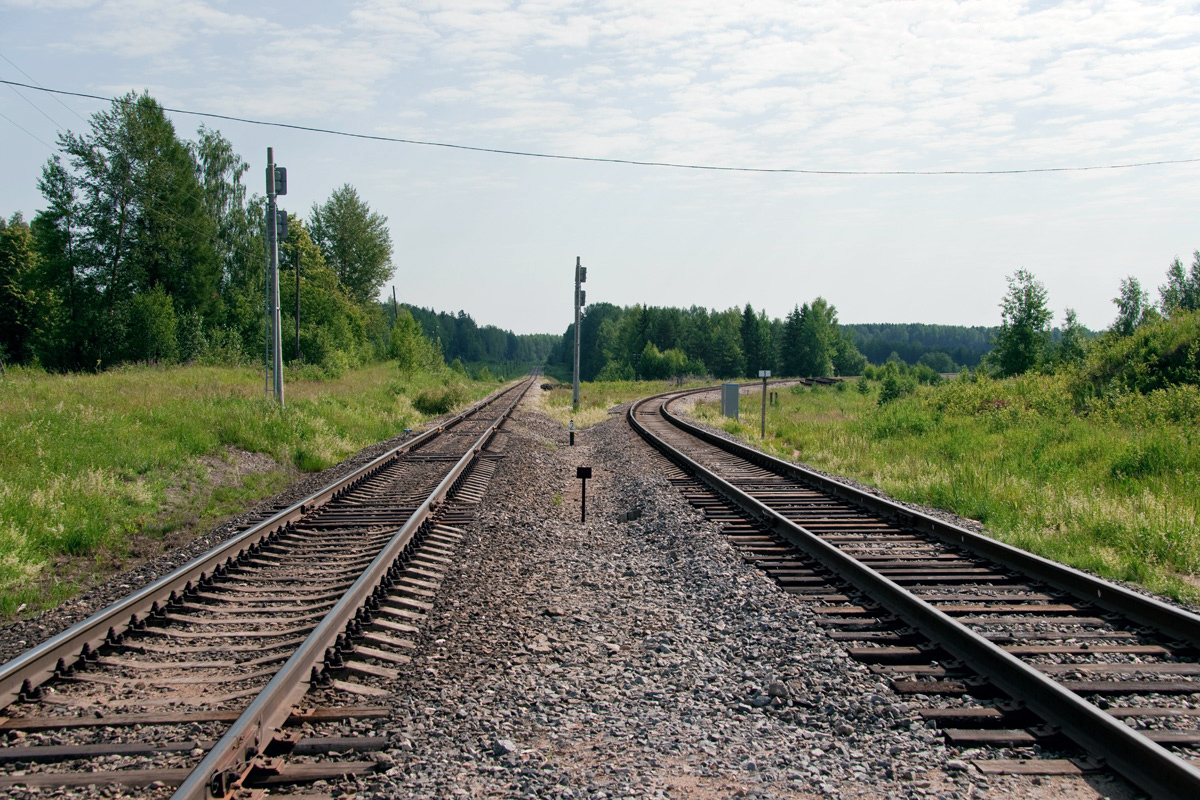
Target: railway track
(245, 668)
(1016, 649)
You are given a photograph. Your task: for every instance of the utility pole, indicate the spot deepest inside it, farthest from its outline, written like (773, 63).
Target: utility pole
(580, 299)
(276, 228)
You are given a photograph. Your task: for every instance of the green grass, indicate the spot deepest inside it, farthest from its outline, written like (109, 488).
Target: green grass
(1113, 489)
(596, 398)
(98, 470)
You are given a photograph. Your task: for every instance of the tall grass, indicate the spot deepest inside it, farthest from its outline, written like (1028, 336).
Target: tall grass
(92, 466)
(1114, 488)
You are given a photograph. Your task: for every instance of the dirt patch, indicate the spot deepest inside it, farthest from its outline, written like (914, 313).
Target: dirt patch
(180, 519)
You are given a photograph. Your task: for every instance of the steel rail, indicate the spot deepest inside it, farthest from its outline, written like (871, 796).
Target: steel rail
(220, 772)
(1176, 622)
(1143, 762)
(37, 665)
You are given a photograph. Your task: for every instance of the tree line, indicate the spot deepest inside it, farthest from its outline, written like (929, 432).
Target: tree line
(655, 342)
(1148, 347)
(151, 249)
(914, 343)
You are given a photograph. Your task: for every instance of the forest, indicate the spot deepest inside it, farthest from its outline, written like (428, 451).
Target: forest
(151, 249)
(663, 342)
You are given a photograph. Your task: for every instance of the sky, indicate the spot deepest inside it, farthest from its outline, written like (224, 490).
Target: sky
(914, 85)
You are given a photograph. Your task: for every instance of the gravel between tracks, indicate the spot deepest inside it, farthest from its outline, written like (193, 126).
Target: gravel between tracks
(641, 659)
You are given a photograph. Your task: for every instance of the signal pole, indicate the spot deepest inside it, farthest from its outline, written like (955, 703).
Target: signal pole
(276, 227)
(580, 299)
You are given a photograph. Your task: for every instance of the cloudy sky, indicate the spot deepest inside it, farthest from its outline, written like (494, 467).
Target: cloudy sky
(864, 86)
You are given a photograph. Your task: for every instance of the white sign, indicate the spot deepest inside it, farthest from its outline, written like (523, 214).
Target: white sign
(764, 373)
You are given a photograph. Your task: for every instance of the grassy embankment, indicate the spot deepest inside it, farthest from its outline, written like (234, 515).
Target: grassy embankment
(597, 398)
(1113, 488)
(96, 470)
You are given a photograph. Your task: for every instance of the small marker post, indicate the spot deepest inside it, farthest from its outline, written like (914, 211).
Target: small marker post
(572, 433)
(583, 473)
(764, 374)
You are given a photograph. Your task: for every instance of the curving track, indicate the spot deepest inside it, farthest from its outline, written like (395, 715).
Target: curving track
(191, 681)
(946, 612)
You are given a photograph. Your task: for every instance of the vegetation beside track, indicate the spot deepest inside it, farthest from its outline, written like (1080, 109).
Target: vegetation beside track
(96, 469)
(1111, 485)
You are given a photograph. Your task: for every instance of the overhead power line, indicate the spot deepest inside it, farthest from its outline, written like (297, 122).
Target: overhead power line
(626, 161)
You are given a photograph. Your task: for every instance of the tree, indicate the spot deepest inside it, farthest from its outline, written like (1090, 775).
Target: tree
(1133, 307)
(219, 172)
(1071, 347)
(938, 361)
(410, 348)
(1181, 292)
(813, 340)
(142, 208)
(151, 327)
(1024, 332)
(18, 263)
(753, 344)
(355, 242)
(790, 346)
(846, 358)
(726, 358)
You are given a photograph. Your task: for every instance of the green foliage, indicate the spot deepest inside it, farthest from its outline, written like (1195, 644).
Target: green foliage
(1159, 354)
(1072, 346)
(1024, 334)
(863, 387)
(412, 350)
(1133, 307)
(938, 361)
(911, 341)
(894, 384)
(1181, 292)
(437, 400)
(615, 371)
(355, 242)
(18, 299)
(151, 328)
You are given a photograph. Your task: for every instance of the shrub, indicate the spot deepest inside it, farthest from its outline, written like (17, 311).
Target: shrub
(1159, 354)
(440, 399)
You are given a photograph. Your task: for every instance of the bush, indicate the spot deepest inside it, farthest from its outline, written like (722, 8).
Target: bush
(439, 400)
(615, 371)
(1159, 354)
(151, 325)
(894, 387)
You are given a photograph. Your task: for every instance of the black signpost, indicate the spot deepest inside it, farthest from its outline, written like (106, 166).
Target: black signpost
(583, 473)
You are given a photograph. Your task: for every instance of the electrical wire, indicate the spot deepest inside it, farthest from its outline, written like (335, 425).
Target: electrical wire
(26, 131)
(626, 161)
(39, 86)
